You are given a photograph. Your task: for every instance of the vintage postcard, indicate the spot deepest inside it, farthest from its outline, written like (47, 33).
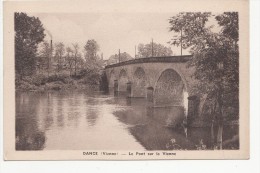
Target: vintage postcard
(126, 80)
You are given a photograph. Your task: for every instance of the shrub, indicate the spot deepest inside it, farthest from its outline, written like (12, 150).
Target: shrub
(91, 77)
(24, 85)
(39, 79)
(58, 77)
(54, 85)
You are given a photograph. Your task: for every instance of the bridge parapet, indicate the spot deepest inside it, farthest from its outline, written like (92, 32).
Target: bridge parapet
(165, 59)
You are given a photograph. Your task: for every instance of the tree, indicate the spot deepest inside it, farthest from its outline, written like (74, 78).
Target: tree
(29, 32)
(45, 54)
(76, 57)
(59, 54)
(215, 59)
(115, 58)
(91, 48)
(155, 50)
(93, 60)
(69, 59)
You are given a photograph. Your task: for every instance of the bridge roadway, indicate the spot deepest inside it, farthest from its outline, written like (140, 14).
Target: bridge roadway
(163, 81)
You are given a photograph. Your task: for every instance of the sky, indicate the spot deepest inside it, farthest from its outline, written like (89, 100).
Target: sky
(112, 31)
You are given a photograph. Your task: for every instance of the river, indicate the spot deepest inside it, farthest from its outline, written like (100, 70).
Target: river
(80, 120)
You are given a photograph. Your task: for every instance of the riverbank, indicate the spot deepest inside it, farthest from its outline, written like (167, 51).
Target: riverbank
(55, 82)
(201, 123)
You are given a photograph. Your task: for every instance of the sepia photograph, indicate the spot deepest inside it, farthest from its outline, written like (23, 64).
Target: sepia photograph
(127, 84)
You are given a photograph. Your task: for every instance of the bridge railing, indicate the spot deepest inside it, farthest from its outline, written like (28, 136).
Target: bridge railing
(165, 59)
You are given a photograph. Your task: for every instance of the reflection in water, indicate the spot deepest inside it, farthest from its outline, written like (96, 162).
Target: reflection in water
(80, 120)
(91, 115)
(28, 135)
(185, 103)
(152, 127)
(60, 113)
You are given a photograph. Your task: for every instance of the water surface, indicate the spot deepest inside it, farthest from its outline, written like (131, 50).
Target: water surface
(78, 120)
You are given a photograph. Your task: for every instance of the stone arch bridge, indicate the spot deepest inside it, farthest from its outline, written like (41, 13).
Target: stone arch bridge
(163, 81)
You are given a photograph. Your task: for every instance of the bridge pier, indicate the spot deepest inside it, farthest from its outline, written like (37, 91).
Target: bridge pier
(149, 96)
(129, 89)
(193, 107)
(115, 87)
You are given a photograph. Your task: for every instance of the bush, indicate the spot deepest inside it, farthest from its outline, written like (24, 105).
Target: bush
(39, 79)
(84, 79)
(68, 80)
(89, 76)
(28, 79)
(59, 77)
(91, 80)
(54, 85)
(24, 85)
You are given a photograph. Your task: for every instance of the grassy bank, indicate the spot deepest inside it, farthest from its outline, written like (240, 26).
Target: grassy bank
(42, 82)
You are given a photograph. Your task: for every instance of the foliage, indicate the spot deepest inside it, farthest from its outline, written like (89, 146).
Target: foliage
(35, 61)
(90, 76)
(29, 32)
(115, 58)
(215, 56)
(39, 79)
(145, 51)
(59, 81)
(91, 48)
(59, 55)
(44, 56)
(69, 59)
(93, 61)
(104, 82)
(76, 57)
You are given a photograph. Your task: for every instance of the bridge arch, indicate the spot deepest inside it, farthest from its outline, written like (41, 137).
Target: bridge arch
(122, 80)
(170, 89)
(139, 83)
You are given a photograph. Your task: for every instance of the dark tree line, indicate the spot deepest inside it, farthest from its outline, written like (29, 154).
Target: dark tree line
(38, 59)
(216, 60)
(29, 32)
